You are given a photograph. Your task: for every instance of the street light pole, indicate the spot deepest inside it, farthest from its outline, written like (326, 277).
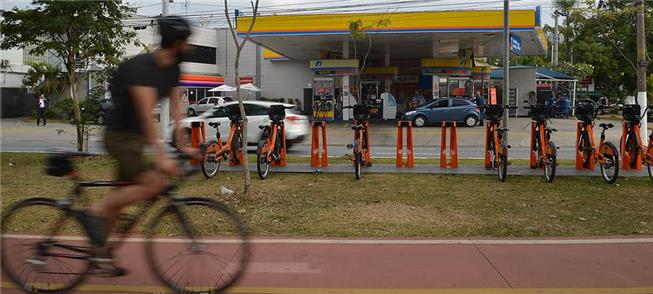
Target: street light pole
(642, 63)
(506, 58)
(556, 40)
(164, 115)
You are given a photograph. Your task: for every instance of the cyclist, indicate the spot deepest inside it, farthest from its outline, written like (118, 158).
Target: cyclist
(137, 85)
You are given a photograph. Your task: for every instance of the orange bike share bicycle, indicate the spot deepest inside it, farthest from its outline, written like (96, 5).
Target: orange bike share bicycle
(543, 150)
(217, 151)
(361, 146)
(632, 147)
(272, 147)
(606, 155)
(497, 144)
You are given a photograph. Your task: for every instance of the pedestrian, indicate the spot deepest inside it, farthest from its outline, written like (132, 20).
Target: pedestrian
(480, 102)
(418, 99)
(42, 107)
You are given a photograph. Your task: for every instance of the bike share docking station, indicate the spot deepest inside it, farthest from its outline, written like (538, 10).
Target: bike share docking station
(316, 127)
(198, 136)
(399, 162)
(453, 146)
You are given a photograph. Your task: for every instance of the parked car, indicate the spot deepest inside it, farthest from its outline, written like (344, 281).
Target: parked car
(446, 109)
(205, 104)
(297, 125)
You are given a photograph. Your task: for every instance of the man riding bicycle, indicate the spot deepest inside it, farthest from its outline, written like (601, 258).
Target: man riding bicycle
(136, 86)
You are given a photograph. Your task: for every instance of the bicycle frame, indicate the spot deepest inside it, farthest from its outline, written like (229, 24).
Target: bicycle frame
(363, 140)
(270, 133)
(597, 156)
(633, 128)
(220, 149)
(540, 133)
(493, 136)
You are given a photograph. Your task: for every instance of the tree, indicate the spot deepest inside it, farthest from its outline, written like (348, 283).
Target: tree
(239, 49)
(357, 31)
(75, 31)
(45, 78)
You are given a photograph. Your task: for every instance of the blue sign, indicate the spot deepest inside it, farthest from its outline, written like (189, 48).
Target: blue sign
(515, 44)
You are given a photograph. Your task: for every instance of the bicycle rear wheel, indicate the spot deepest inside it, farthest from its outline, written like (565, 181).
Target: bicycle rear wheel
(550, 162)
(262, 164)
(205, 249)
(43, 261)
(610, 165)
(211, 163)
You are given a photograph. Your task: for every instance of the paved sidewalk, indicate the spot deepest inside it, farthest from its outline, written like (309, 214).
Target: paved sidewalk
(309, 266)
(433, 169)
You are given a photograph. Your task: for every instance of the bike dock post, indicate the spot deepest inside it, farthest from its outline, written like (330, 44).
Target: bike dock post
(400, 144)
(197, 136)
(488, 160)
(453, 140)
(579, 153)
(532, 162)
(315, 144)
(282, 154)
(625, 159)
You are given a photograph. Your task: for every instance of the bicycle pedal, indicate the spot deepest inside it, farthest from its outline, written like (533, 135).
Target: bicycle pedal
(350, 146)
(368, 164)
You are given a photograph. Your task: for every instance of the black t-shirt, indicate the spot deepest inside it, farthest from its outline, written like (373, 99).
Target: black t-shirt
(141, 70)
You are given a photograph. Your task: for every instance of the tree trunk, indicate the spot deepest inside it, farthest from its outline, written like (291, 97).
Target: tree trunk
(76, 111)
(244, 116)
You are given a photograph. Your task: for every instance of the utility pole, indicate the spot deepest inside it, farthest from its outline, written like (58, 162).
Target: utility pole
(164, 116)
(642, 63)
(506, 59)
(556, 40)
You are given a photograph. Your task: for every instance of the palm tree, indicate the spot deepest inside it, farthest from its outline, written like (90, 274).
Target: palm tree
(45, 78)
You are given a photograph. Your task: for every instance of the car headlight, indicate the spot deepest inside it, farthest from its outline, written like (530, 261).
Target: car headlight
(410, 113)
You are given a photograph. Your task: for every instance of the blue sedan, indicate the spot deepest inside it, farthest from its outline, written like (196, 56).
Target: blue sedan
(446, 109)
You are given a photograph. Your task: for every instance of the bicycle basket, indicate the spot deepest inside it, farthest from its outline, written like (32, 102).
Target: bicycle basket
(631, 112)
(361, 112)
(277, 112)
(538, 112)
(494, 112)
(233, 111)
(585, 112)
(59, 165)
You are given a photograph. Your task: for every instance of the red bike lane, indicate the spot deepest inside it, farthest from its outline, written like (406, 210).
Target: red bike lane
(417, 266)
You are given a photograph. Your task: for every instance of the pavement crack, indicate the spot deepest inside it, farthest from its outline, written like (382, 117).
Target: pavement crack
(492, 264)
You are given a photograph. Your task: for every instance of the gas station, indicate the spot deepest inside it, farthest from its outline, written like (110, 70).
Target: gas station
(435, 53)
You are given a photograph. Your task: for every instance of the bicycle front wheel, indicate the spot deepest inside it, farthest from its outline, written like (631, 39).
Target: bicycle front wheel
(237, 146)
(197, 245)
(502, 168)
(610, 165)
(358, 160)
(262, 164)
(43, 261)
(550, 162)
(211, 163)
(585, 149)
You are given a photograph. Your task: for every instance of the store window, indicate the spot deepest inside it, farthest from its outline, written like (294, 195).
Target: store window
(201, 54)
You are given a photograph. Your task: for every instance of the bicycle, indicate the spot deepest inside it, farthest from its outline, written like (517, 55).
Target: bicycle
(57, 262)
(361, 147)
(606, 155)
(543, 150)
(272, 146)
(216, 151)
(632, 146)
(496, 136)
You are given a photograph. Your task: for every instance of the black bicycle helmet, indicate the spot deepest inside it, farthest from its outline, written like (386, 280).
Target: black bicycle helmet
(173, 28)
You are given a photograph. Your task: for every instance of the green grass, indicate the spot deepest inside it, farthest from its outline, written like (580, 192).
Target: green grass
(385, 205)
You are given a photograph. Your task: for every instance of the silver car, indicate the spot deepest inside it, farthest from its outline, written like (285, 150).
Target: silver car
(206, 104)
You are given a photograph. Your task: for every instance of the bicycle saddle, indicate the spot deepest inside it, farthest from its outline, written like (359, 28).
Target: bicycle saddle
(357, 127)
(606, 126)
(214, 124)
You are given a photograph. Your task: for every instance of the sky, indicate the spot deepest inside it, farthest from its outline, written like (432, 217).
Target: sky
(211, 13)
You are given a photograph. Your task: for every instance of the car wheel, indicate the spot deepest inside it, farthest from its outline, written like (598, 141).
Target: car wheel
(191, 112)
(471, 121)
(419, 121)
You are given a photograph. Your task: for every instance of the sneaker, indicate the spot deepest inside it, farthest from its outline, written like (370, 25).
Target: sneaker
(106, 268)
(94, 226)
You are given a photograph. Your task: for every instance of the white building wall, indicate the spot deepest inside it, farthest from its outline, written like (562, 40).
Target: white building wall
(227, 56)
(285, 78)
